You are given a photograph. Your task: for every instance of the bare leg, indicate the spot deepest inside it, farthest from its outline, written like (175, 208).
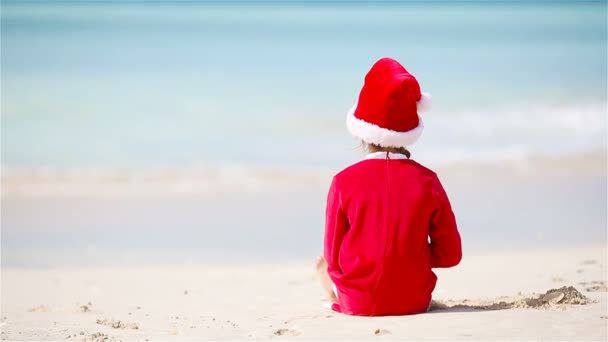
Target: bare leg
(326, 284)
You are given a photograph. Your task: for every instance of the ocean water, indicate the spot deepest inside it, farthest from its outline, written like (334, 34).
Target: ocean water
(165, 132)
(146, 84)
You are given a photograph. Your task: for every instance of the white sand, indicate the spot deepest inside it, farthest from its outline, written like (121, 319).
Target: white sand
(251, 301)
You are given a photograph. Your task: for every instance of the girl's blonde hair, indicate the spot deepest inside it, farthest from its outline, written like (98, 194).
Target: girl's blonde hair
(371, 148)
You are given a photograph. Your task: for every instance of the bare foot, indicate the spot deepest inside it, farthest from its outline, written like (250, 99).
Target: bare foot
(326, 284)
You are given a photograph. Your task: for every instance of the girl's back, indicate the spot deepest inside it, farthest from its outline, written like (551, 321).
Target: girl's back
(380, 214)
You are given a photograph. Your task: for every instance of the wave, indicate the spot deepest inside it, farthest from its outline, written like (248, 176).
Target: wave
(196, 180)
(537, 129)
(240, 178)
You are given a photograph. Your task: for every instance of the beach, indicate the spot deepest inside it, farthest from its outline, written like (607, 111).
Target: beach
(283, 300)
(96, 265)
(165, 165)
(176, 216)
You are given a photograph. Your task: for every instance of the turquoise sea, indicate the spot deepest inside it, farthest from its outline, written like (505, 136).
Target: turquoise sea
(241, 107)
(148, 84)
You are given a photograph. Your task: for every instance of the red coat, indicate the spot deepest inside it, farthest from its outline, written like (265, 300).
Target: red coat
(381, 213)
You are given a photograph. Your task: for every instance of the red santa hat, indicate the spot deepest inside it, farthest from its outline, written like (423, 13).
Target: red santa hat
(387, 111)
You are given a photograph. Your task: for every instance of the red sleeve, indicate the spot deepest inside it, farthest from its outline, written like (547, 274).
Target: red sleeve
(336, 225)
(446, 249)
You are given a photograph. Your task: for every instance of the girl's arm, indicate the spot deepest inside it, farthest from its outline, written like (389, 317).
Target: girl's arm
(336, 225)
(446, 249)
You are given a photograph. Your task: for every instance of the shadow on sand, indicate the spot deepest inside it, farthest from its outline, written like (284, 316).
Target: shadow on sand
(554, 298)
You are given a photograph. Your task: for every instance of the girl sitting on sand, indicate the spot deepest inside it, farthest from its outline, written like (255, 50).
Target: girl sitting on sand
(388, 218)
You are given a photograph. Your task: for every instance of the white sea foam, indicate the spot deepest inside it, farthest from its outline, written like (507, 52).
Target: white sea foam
(210, 180)
(457, 139)
(241, 178)
(511, 134)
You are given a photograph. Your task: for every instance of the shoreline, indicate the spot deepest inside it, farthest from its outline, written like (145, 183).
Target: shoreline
(507, 207)
(243, 178)
(270, 262)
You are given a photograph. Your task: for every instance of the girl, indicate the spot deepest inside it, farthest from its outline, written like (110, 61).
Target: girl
(388, 218)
